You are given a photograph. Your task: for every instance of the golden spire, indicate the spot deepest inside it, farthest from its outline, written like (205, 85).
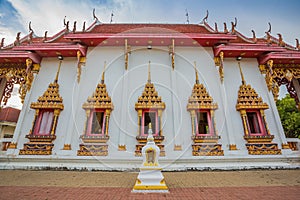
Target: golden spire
(150, 125)
(102, 79)
(58, 70)
(197, 79)
(149, 73)
(242, 75)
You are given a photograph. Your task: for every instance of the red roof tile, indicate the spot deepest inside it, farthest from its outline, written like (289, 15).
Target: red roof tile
(9, 114)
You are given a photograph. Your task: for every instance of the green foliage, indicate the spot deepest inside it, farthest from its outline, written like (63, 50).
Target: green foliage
(290, 116)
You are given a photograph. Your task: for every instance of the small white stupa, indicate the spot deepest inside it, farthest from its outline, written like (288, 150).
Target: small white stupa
(150, 178)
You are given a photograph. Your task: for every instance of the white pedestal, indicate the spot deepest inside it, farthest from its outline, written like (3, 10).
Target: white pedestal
(150, 179)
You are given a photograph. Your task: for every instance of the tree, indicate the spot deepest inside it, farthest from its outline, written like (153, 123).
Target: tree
(290, 116)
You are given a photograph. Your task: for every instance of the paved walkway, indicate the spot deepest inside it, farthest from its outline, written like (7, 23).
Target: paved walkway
(265, 184)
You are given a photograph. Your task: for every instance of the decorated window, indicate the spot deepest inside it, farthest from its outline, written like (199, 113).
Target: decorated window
(95, 134)
(202, 110)
(149, 108)
(256, 132)
(47, 111)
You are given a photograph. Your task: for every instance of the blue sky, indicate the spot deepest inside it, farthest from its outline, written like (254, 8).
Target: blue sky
(48, 15)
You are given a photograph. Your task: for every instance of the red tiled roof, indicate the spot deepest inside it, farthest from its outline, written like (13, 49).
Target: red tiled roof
(9, 114)
(138, 28)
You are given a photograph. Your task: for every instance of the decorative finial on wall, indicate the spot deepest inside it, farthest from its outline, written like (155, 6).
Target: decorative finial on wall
(242, 75)
(149, 73)
(196, 73)
(297, 44)
(103, 73)
(60, 58)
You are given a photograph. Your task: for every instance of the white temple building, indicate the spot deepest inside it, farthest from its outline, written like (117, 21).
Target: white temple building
(89, 95)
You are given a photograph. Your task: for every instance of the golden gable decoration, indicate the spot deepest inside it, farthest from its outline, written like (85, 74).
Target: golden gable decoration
(99, 100)
(200, 99)
(249, 99)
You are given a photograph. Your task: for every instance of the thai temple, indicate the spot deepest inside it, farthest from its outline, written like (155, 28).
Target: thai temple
(90, 93)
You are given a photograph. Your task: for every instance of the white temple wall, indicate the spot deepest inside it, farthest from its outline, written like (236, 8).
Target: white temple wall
(124, 87)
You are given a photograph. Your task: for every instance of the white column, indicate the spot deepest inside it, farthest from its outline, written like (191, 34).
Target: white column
(228, 121)
(175, 122)
(124, 110)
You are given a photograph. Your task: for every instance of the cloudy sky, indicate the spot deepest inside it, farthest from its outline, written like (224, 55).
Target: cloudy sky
(48, 15)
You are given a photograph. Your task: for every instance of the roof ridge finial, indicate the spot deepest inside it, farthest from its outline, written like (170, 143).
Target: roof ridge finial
(206, 17)
(29, 27)
(270, 28)
(94, 15)
(149, 73)
(254, 36)
(187, 16)
(242, 75)
(233, 25)
(103, 73)
(60, 57)
(111, 16)
(196, 73)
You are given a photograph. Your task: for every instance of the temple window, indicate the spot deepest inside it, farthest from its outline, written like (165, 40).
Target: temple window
(256, 132)
(96, 123)
(255, 123)
(47, 111)
(44, 122)
(202, 110)
(149, 117)
(149, 108)
(95, 134)
(203, 123)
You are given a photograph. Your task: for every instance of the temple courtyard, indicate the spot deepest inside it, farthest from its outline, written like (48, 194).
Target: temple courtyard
(252, 184)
